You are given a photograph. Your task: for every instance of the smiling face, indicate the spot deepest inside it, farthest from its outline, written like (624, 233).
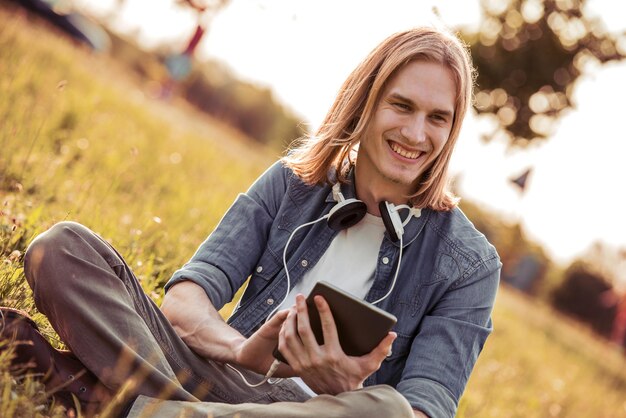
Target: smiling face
(409, 128)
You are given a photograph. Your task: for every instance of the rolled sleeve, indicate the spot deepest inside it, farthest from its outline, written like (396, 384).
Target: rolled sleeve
(428, 396)
(208, 277)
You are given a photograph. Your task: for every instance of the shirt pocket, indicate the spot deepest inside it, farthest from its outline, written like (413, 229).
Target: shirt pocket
(414, 301)
(430, 284)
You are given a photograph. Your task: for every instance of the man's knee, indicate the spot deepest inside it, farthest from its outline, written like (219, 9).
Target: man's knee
(46, 249)
(383, 400)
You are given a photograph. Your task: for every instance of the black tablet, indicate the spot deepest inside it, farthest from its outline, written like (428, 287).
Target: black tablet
(361, 326)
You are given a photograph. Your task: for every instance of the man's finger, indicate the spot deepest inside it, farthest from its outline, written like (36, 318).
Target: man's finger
(304, 324)
(329, 329)
(289, 343)
(383, 349)
(278, 318)
(275, 322)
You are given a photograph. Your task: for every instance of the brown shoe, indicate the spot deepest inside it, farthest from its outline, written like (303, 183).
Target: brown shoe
(63, 375)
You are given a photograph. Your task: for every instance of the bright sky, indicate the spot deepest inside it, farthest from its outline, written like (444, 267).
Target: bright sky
(304, 50)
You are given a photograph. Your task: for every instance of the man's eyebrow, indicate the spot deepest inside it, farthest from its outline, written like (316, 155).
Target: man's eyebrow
(398, 96)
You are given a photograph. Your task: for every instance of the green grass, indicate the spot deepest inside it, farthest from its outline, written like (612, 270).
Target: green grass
(79, 140)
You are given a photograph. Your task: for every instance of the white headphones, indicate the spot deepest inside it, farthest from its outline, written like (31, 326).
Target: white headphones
(348, 212)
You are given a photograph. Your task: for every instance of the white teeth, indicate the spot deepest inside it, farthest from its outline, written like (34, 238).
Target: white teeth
(406, 154)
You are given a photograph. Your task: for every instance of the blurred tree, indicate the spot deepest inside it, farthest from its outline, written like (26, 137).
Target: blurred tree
(212, 88)
(610, 261)
(582, 294)
(529, 53)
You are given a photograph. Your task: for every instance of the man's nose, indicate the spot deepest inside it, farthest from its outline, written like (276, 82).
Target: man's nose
(414, 129)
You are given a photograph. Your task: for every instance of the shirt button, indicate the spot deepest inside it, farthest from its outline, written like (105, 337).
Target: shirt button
(259, 269)
(385, 260)
(270, 301)
(304, 263)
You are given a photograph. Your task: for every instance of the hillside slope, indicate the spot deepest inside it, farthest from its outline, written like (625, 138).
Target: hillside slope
(80, 141)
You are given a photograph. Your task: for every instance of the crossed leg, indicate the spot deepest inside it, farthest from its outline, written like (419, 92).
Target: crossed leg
(98, 308)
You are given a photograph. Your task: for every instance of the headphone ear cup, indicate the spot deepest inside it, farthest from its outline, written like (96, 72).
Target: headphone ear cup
(391, 220)
(346, 214)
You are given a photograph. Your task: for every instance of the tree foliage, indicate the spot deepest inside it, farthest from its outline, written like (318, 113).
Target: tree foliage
(582, 295)
(529, 53)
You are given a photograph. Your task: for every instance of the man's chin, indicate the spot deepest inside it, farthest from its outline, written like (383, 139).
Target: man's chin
(401, 180)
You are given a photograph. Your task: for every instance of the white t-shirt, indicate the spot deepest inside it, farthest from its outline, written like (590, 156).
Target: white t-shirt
(348, 263)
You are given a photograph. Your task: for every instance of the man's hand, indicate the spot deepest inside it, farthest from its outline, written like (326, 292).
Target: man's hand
(256, 352)
(326, 368)
(201, 327)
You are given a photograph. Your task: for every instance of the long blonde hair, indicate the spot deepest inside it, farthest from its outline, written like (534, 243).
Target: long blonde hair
(353, 108)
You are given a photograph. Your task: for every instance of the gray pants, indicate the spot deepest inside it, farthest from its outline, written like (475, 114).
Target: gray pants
(99, 309)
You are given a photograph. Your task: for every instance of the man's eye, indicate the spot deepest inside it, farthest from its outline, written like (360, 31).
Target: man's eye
(402, 106)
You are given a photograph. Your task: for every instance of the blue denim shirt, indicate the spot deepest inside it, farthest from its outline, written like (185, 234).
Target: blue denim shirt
(443, 298)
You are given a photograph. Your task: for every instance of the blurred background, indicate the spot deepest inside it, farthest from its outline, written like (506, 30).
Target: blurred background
(539, 162)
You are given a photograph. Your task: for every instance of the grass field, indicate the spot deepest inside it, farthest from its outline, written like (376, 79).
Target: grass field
(79, 140)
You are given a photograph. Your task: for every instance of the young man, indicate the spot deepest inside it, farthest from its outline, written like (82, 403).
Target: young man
(386, 141)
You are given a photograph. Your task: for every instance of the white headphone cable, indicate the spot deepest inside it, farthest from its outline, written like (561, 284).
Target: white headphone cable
(267, 377)
(285, 263)
(413, 212)
(395, 276)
